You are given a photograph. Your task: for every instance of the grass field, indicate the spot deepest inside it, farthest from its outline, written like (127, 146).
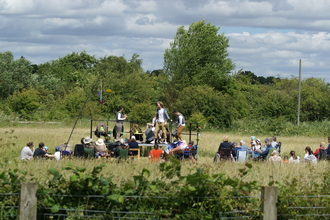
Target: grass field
(15, 136)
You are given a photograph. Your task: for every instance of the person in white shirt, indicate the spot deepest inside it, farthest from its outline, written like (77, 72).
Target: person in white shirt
(120, 118)
(181, 123)
(161, 121)
(27, 151)
(57, 153)
(294, 158)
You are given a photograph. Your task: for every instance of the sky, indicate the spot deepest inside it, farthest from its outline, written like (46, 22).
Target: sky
(266, 37)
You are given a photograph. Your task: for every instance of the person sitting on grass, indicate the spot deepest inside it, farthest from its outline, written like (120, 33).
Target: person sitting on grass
(294, 158)
(285, 159)
(309, 157)
(40, 153)
(154, 155)
(27, 151)
(275, 157)
(57, 153)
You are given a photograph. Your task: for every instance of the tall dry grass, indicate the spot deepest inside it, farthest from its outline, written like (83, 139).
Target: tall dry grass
(52, 135)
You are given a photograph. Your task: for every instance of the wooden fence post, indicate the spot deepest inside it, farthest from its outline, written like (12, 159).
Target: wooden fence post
(268, 203)
(27, 208)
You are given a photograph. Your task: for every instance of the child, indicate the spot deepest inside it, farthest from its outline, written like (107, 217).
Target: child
(154, 154)
(57, 153)
(285, 159)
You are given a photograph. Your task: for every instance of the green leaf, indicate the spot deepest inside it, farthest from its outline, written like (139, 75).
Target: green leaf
(74, 178)
(55, 208)
(53, 171)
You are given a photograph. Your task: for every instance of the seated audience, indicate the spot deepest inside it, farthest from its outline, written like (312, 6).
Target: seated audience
(175, 147)
(224, 144)
(310, 158)
(133, 145)
(57, 153)
(149, 133)
(316, 153)
(264, 153)
(328, 149)
(39, 152)
(100, 148)
(273, 141)
(265, 145)
(285, 159)
(27, 151)
(258, 146)
(275, 157)
(294, 158)
(79, 148)
(154, 155)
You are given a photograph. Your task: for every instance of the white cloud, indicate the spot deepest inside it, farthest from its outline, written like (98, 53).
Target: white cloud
(284, 31)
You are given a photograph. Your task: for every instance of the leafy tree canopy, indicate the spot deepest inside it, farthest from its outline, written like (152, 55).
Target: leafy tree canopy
(199, 56)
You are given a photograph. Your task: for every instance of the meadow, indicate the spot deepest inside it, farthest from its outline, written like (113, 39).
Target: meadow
(15, 136)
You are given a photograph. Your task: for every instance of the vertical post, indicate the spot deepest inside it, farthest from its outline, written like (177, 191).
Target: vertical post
(27, 209)
(268, 203)
(91, 130)
(299, 91)
(190, 131)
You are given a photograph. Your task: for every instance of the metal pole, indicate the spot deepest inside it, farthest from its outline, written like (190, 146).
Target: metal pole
(299, 95)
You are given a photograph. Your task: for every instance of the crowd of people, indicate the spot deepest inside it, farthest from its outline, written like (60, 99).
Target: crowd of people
(269, 151)
(157, 131)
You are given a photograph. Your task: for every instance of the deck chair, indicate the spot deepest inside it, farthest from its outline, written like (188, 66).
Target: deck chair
(89, 153)
(322, 155)
(137, 132)
(123, 154)
(278, 147)
(98, 131)
(225, 154)
(79, 150)
(242, 156)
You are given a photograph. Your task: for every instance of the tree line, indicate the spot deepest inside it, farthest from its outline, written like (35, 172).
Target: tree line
(198, 79)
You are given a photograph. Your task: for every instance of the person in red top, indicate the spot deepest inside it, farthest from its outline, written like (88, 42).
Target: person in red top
(322, 146)
(154, 155)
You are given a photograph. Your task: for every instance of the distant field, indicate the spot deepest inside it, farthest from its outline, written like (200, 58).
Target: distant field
(15, 137)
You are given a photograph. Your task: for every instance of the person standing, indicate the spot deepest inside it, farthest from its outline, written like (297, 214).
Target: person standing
(119, 121)
(161, 120)
(27, 151)
(181, 123)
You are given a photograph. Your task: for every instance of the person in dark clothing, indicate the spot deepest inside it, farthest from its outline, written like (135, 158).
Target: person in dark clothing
(224, 144)
(133, 145)
(39, 152)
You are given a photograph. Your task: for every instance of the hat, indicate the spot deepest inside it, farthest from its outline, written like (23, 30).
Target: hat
(87, 140)
(100, 146)
(267, 139)
(45, 147)
(57, 148)
(258, 141)
(99, 142)
(133, 137)
(234, 143)
(253, 138)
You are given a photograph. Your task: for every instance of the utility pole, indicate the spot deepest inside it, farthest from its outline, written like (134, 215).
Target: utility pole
(299, 91)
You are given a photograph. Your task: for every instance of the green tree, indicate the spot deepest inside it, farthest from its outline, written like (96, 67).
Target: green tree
(14, 74)
(204, 99)
(25, 103)
(199, 56)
